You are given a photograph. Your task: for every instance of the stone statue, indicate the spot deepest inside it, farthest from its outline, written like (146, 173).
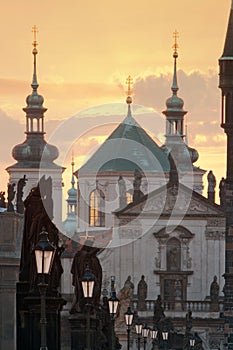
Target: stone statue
(211, 181)
(130, 284)
(86, 257)
(137, 193)
(19, 196)
(173, 259)
(2, 200)
(36, 218)
(124, 297)
(188, 323)
(159, 315)
(10, 197)
(142, 294)
(222, 191)
(122, 192)
(214, 290)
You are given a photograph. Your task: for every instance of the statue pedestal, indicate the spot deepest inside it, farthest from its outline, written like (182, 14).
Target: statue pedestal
(214, 307)
(79, 331)
(28, 320)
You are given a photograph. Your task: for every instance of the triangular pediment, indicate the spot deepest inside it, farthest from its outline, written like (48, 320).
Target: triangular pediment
(173, 200)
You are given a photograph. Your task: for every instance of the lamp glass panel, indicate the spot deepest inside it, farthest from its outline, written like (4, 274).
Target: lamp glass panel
(145, 332)
(153, 334)
(128, 319)
(88, 287)
(138, 328)
(43, 260)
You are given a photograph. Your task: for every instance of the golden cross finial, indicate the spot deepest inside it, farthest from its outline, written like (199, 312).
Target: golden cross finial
(35, 31)
(175, 36)
(129, 81)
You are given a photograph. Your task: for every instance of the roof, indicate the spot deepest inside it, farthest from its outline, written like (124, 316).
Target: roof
(228, 48)
(129, 147)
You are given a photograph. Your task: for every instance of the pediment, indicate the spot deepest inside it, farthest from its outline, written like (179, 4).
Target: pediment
(176, 201)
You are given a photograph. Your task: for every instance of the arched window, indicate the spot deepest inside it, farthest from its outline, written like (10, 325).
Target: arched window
(173, 255)
(97, 208)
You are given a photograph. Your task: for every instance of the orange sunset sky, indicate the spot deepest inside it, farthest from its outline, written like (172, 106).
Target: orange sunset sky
(87, 48)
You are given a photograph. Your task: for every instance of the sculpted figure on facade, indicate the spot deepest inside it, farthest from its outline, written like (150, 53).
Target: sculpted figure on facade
(222, 191)
(137, 193)
(122, 192)
(142, 294)
(214, 290)
(211, 181)
(19, 197)
(10, 197)
(130, 284)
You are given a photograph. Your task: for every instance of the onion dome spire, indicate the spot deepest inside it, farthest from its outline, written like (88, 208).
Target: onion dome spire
(175, 115)
(174, 102)
(35, 110)
(35, 151)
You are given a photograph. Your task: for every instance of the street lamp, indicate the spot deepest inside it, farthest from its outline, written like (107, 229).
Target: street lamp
(128, 321)
(165, 337)
(192, 342)
(113, 303)
(44, 253)
(153, 334)
(145, 333)
(138, 328)
(88, 281)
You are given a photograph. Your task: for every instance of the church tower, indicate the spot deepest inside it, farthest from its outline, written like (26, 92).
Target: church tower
(226, 85)
(35, 157)
(183, 155)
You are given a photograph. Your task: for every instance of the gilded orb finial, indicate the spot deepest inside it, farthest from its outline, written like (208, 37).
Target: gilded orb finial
(175, 46)
(129, 81)
(35, 43)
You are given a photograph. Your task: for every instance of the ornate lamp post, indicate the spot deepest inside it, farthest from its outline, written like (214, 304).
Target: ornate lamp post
(88, 282)
(128, 321)
(44, 253)
(165, 337)
(138, 328)
(145, 333)
(113, 303)
(153, 334)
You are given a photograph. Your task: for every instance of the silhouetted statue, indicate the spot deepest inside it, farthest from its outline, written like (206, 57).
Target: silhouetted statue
(2, 200)
(222, 191)
(122, 192)
(188, 323)
(142, 294)
(159, 315)
(214, 290)
(86, 257)
(211, 181)
(19, 196)
(10, 197)
(36, 218)
(137, 193)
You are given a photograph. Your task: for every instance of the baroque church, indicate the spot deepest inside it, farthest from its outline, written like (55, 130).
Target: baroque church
(142, 205)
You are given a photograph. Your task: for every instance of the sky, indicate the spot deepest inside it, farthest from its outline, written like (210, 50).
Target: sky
(86, 50)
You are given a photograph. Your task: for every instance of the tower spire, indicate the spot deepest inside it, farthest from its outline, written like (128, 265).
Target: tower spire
(175, 56)
(129, 99)
(35, 84)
